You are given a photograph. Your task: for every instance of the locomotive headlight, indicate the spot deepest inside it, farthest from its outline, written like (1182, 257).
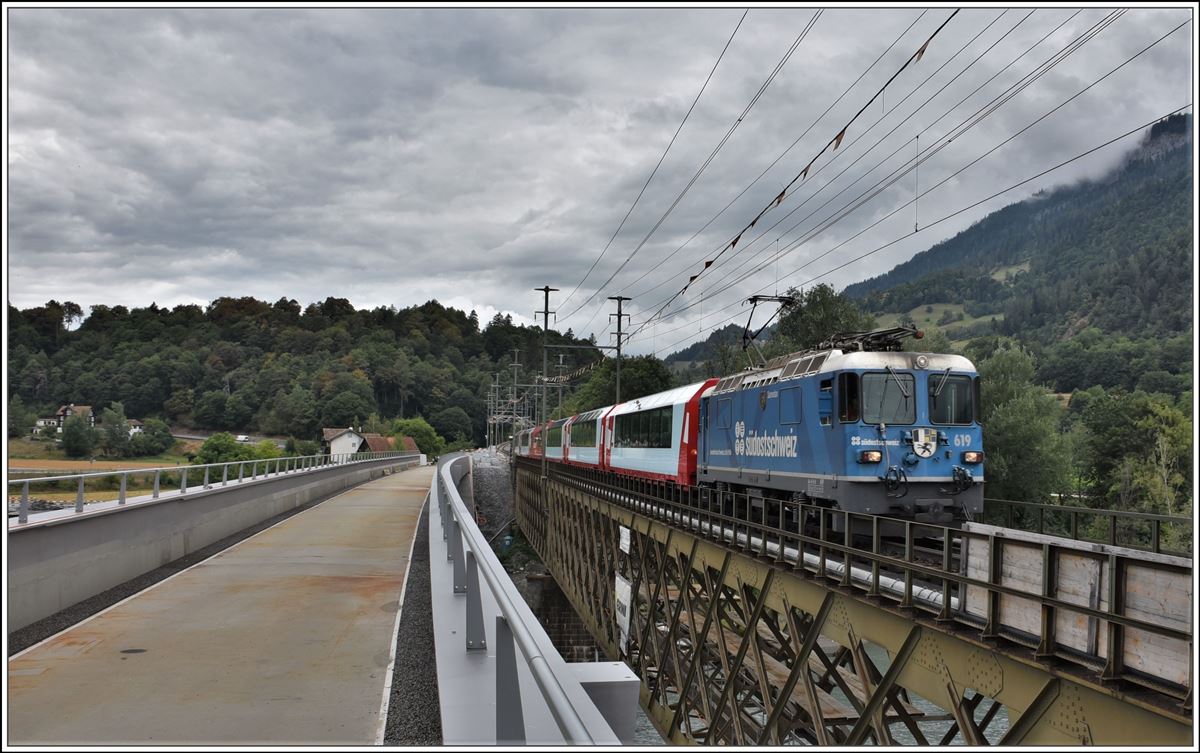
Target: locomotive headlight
(972, 457)
(870, 456)
(921, 361)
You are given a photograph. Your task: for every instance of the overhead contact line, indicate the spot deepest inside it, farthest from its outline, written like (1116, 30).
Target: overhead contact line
(704, 166)
(944, 218)
(660, 159)
(954, 133)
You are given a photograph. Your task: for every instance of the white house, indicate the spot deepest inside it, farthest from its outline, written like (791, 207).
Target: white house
(66, 411)
(342, 441)
(135, 427)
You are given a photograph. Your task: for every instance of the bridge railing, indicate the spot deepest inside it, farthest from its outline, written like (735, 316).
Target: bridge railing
(1162, 534)
(517, 635)
(116, 483)
(1123, 615)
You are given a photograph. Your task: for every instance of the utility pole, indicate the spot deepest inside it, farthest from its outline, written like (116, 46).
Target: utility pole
(516, 364)
(545, 312)
(620, 317)
(560, 368)
(493, 409)
(496, 391)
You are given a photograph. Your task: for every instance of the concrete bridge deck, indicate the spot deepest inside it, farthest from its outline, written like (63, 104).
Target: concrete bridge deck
(236, 650)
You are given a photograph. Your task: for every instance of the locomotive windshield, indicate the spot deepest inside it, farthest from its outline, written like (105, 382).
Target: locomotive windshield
(888, 398)
(950, 399)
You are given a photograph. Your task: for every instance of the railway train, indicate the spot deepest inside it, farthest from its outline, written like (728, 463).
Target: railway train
(857, 424)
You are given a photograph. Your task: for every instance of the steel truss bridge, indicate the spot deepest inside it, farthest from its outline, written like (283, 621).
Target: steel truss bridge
(749, 631)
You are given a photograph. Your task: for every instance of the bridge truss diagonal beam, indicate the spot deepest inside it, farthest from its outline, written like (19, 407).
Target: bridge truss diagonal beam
(734, 645)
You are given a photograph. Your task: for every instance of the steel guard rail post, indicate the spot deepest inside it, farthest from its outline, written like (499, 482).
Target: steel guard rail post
(515, 626)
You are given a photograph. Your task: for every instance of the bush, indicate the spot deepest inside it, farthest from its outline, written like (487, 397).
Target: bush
(267, 449)
(423, 434)
(79, 438)
(223, 448)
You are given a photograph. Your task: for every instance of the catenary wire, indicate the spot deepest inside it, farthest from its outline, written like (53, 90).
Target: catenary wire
(703, 167)
(953, 214)
(660, 159)
(955, 132)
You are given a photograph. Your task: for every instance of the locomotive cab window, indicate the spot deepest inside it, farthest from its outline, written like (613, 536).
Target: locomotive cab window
(848, 411)
(950, 399)
(889, 398)
(977, 401)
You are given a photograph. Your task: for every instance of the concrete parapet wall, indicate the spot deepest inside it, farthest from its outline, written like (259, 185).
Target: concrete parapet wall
(64, 561)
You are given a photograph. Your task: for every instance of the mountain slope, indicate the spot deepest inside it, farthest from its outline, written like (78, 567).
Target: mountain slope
(1113, 253)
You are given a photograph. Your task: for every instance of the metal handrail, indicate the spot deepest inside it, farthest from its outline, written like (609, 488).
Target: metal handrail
(1093, 510)
(174, 468)
(566, 715)
(285, 464)
(1072, 513)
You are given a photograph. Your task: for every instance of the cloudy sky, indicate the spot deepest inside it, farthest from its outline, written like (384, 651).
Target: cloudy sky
(394, 155)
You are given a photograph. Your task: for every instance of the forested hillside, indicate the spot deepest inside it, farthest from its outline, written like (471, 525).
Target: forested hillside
(247, 365)
(1096, 277)
(1085, 291)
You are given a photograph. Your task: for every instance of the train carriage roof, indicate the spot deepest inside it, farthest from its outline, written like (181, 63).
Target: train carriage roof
(677, 396)
(591, 415)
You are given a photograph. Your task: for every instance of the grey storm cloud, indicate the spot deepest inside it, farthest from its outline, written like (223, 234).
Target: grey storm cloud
(394, 155)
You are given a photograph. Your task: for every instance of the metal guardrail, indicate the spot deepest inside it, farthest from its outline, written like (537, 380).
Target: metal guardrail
(935, 582)
(518, 635)
(270, 467)
(1135, 530)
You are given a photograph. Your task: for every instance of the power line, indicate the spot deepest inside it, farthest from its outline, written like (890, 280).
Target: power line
(1039, 119)
(704, 166)
(785, 152)
(835, 142)
(934, 150)
(954, 133)
(957, 212)
(818, 171)
(881, 139)
(1108, 19)
(660, 159)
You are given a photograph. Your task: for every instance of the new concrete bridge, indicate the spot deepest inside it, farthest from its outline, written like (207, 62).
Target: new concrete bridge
(727, 630)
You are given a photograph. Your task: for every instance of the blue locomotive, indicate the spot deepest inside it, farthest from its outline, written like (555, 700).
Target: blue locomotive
(856, 424)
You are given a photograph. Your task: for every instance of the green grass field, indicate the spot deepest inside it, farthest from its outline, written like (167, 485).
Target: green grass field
(1004, 273)
(927, 319)
(54, 457)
